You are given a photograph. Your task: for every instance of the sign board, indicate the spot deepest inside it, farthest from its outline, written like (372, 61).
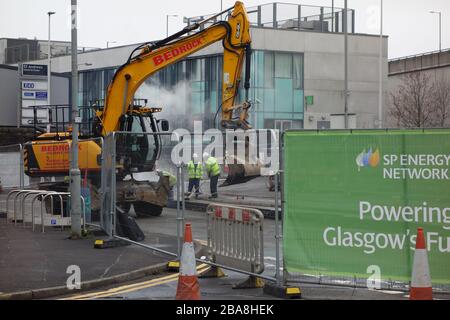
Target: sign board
(354, 200)
(309, 100)
(28, 95)
(34, 70)
(34, 95)
(34, 85)
(41, 95)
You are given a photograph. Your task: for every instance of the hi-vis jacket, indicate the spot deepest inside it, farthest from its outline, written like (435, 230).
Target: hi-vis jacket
(195, 171)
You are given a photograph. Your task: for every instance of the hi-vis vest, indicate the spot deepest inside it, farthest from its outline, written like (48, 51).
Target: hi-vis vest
(195, 172)
(212, 167)
(172, 178)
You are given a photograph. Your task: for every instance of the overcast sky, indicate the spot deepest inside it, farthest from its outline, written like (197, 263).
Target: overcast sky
(408, 23)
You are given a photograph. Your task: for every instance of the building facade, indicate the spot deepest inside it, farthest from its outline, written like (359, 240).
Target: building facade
(297, 73)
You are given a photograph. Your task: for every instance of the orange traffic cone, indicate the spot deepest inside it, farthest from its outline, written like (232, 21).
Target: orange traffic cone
(188, 287)
(421, 288)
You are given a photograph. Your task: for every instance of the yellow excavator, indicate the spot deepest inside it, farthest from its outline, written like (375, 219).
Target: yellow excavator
(48, 154)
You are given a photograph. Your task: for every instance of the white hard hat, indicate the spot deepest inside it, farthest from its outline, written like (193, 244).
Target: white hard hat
(195, 156)
(205, 155)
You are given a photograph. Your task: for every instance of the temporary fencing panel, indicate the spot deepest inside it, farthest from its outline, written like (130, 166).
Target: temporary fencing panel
(12, 167)
(108, 178)
(235, 237)
(354, 201)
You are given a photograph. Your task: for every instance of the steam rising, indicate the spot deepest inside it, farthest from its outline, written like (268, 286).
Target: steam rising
(174, 102)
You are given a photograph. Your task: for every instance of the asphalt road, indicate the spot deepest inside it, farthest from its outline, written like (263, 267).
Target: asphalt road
(164, 286)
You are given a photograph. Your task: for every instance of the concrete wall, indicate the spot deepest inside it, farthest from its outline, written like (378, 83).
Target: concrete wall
(9, 92)
(396, 80)
(424, 61)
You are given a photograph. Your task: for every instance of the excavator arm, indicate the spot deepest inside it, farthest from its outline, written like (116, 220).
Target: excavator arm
(235, 36)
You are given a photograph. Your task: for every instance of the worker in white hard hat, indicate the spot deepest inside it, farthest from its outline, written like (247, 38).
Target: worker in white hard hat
(213, 172)
(195, 172)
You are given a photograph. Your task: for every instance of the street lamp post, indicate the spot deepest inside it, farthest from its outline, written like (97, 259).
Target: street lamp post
(108, 42)
(49, 71)
(440, 27)
(167, 22)
(346, 93)
(75, 175)
(380, 84)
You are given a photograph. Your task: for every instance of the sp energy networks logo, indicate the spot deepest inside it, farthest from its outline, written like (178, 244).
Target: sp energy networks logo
(368, 159)
(420, 166)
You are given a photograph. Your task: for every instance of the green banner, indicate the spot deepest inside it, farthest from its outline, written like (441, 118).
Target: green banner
(354, 200)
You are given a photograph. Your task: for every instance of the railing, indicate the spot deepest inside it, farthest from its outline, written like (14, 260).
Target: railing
(57, 119)
(292, 16)
(53, 219)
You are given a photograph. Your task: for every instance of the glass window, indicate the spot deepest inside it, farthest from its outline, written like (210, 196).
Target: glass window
(256, 70)
(197, 67)
(283, 65)
(298, 100)
(268, 69)
(269, 100)
(298, 71)
(283, 95)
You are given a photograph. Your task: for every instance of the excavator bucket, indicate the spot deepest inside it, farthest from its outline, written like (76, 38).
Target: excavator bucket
(240, 173)
(148, 198)
(237, 172)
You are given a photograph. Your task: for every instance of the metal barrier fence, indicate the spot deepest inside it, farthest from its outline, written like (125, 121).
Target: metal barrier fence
(333, 232)
(11, 168)
(235, 237)
(53, 193)
(115, 157)
(51, 215)
(53, 164)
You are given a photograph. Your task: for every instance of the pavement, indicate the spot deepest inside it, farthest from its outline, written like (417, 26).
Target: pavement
(34, 260)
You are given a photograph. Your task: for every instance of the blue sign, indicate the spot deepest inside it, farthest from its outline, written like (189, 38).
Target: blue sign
(53, 221)
(41, 95)
(28, 94)
(28, 85)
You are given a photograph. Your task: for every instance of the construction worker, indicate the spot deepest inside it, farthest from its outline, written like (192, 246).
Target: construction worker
(195, 172)
(213, 171)
(172, 178)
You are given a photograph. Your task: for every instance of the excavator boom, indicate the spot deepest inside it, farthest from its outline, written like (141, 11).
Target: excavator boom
(235, 35)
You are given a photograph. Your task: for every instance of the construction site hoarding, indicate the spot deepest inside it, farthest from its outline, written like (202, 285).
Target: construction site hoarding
(354, 201)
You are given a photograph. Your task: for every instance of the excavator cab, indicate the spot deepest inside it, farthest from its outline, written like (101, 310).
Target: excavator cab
(138, 151)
